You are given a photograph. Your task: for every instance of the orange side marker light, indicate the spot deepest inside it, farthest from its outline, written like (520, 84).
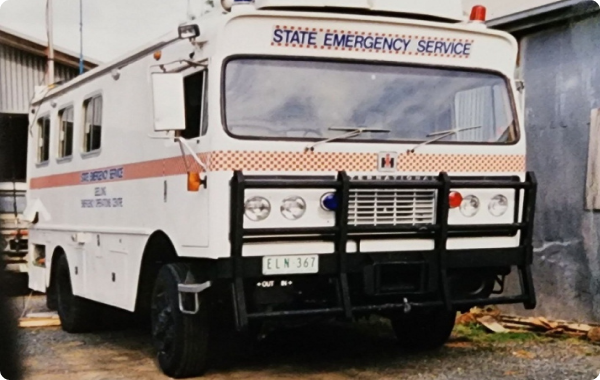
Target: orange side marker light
(194, 182)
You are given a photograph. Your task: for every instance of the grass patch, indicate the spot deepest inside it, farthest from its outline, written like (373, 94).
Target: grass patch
(477, 333)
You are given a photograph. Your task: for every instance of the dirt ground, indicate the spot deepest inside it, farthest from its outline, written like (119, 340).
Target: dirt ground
(330, 351)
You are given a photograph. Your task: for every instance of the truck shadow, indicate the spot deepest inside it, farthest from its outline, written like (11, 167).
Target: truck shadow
(311, 349)
(318, 348)
(15, 284)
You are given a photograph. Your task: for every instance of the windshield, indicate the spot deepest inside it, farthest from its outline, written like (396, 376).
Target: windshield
(283, 99)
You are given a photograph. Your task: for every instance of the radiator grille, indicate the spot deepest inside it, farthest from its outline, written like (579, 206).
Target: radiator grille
(391, 207)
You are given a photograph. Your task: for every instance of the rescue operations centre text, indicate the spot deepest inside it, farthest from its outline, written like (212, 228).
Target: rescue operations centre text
(384, 42)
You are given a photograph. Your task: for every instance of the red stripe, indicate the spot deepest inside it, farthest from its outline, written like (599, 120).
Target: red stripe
(140, 170)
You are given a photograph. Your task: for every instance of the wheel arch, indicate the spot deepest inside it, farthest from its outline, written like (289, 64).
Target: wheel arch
(159, 251)
(56, 254)
(51, 296)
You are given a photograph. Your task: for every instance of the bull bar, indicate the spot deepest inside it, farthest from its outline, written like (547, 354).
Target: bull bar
(339, 264)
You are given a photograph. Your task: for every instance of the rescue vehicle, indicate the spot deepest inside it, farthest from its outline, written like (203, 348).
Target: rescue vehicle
(287, 160)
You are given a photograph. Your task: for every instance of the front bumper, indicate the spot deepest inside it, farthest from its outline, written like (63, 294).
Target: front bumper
(14, 248)
(435, 267)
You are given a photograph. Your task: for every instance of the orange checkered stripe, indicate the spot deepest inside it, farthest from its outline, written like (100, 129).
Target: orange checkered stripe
(295, 162)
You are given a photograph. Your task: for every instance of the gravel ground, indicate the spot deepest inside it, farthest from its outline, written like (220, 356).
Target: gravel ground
(330, 351)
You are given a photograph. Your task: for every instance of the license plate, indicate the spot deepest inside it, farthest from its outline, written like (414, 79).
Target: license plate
(290, 264)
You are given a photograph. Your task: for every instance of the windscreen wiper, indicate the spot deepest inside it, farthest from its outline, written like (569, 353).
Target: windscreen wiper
(437, 136)
(350, 132)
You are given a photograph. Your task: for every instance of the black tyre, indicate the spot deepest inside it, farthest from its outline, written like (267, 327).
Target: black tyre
(52, 297)
(423, 330)
(181, 340)
(77, 315)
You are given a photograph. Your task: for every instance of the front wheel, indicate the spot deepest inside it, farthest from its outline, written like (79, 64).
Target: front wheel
(424, 330)
(181, 340)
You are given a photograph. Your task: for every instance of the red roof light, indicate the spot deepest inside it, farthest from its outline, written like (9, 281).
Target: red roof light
(478, 13)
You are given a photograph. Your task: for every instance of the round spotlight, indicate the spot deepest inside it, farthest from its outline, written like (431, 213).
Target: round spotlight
(257, 209)
(470, 206)
(498, 205)
(293, 208)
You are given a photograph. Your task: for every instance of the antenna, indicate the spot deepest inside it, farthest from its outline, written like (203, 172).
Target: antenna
(50, 29)
(190, 14)
(81, 67)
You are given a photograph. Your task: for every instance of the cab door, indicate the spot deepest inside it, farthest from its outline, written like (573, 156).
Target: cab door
(187, 211)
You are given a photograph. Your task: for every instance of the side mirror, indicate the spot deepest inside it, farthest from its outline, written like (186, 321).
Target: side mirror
(169, 102)
(521, 89)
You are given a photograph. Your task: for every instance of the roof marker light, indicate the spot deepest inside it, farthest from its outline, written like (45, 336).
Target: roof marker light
(189, 31)
(478, 13)
(228, 4)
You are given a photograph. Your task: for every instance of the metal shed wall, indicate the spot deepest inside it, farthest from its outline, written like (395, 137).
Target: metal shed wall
(20, 72)
(561, 69)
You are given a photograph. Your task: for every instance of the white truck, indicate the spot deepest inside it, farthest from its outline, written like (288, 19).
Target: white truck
(13, 230)
(13, 186)
(291, 159)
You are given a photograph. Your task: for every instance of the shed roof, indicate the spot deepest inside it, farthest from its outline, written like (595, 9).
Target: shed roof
(37, 47)
(544, 16)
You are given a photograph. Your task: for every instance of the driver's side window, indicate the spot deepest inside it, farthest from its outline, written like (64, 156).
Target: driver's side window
(196, 117)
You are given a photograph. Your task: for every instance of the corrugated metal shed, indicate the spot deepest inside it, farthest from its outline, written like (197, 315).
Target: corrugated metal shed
(543, 17)
(560, 63)
(20, 72)
(23, 66)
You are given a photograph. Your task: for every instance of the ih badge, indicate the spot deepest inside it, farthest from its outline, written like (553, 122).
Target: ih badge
(387, 161)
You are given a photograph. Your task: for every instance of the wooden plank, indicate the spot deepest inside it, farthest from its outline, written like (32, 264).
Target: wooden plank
(492, 324)
(50, 314)
(38, 322)
(577, 327)
(515, 327)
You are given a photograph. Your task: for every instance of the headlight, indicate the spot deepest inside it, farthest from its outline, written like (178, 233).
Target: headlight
(293, 208)
(257, 209)
(469, 206)
(498, 205)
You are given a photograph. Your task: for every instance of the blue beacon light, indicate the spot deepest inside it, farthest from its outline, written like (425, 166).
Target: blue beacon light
(330, 202)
